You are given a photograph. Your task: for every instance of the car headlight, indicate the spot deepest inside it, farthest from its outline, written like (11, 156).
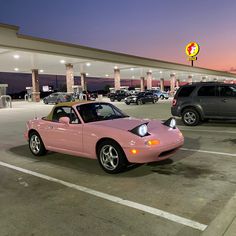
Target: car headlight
(134, 98)
(171, 122)
(141, 130)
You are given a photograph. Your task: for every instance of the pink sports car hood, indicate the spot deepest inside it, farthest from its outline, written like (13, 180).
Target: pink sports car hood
(129, 123)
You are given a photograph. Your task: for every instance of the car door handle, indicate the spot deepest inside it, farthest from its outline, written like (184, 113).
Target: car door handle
(50, 127)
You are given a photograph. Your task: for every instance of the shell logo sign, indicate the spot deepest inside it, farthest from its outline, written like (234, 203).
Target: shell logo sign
(192, 49)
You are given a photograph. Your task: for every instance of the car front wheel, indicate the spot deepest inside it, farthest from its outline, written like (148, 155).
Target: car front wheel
(45, 101)
(139, 102)
(36, 145)
(190, 117)
(154, 100)
(162, 97)
(111, 157)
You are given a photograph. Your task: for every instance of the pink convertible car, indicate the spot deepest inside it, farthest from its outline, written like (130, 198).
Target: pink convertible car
(100, 130)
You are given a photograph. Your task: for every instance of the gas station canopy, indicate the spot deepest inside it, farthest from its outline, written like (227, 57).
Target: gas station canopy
(21, 53)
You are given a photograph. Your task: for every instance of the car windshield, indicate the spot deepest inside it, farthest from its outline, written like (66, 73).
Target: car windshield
(92, 112)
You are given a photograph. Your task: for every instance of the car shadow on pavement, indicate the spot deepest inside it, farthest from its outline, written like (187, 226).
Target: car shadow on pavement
(61, 160)
(211, 123)
(91, 166)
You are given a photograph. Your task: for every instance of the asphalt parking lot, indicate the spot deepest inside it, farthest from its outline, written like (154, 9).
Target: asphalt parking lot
(63, 195)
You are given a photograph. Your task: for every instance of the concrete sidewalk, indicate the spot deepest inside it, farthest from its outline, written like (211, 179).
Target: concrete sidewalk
(225, 222)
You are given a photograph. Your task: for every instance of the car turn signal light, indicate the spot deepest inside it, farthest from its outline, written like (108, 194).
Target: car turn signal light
(134, 151)
(153, 142)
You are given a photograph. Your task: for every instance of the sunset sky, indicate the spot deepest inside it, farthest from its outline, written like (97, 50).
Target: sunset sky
(157, 29)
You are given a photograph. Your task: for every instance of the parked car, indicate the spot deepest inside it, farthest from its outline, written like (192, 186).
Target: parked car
(99, 130)
(200, 101)
(58, 97)
(85, 95)
(118, 95)
(141, 98)
(161, 94)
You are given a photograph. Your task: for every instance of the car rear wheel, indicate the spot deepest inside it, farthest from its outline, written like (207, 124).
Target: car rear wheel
(162, 97)
(111, 157)
(112, 99)
(190, 117)
(36, 145)
(127, 103)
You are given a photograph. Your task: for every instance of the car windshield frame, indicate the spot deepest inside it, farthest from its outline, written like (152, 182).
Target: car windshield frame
(94, 112)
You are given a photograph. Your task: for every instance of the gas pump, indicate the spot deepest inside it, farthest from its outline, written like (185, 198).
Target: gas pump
(77, 90)
(28, 95)
(5, 100)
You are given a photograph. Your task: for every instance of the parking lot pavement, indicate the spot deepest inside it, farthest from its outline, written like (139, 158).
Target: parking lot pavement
(193, 185)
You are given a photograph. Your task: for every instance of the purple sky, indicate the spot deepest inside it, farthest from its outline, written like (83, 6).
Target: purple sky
(157, 29)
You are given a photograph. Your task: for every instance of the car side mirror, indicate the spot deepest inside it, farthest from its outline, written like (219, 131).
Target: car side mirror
(64, 120)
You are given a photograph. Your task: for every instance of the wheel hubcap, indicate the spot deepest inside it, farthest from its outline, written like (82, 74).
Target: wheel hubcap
(189, 117)
(35, 144)
(109, 157)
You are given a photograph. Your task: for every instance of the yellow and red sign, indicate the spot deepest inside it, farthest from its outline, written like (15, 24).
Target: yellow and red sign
(192, 49)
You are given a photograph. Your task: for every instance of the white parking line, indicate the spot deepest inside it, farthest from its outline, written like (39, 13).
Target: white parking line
(207, 130)
(210, 152)
(135, 205)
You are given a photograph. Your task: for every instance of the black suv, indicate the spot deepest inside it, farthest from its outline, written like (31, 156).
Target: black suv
(118, 95)
(141, 98)
(204, 100)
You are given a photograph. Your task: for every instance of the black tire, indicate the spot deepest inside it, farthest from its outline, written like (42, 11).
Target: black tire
(139, 102)
(112, 99)
(161, 97)
(118, 99)
(154, 100)
(36, 144)
(109, 149)
(127, 103)
(190, 117)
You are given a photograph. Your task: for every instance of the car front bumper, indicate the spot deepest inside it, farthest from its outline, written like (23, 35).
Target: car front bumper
(146, 154)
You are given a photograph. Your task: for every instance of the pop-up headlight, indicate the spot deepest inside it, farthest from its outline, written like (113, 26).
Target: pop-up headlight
(171, 122)
(140, 130)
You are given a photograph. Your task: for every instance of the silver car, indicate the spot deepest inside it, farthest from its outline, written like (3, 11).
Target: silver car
(58, 97)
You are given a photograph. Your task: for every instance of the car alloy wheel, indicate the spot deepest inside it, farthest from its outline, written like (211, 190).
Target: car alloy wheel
(139, 102)
(190, 117)
(154, 100)
(36, 144)
(45, 101)
(111, 157)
